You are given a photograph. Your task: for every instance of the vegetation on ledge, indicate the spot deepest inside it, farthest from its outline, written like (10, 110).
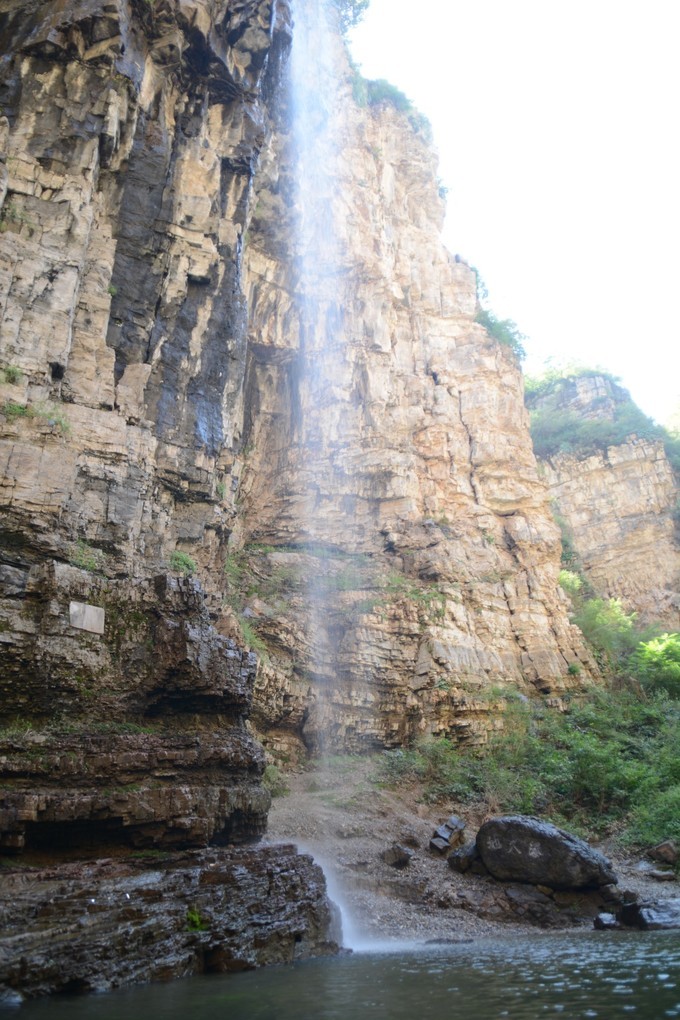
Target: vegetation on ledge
(609, 764)
(368, 92)
(504, 331)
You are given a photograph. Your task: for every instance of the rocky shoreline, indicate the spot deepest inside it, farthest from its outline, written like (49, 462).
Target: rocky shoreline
(338, 813)
(79, 927)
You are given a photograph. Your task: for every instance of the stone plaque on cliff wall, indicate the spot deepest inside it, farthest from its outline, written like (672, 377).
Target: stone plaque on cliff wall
(85, 617)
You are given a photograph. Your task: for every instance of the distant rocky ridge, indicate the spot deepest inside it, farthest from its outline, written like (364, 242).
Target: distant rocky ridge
(616, 490)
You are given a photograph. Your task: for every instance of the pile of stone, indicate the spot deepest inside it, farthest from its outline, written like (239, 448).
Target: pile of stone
(447, 835)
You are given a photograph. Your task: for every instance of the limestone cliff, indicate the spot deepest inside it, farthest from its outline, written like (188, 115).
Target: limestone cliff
(613, 485)
(129, 147)
(387, 457)
(129, 143)
(352, 448)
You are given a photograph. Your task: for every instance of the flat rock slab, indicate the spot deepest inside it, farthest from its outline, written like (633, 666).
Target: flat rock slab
(85, 617)
(515, 848)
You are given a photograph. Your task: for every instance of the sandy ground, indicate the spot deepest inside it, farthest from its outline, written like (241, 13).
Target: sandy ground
(338, 813)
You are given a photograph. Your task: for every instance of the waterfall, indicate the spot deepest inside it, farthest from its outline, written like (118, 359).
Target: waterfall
(316, 118)
(322, 428)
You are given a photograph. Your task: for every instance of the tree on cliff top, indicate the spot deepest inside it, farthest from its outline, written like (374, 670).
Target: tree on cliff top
(351, 12)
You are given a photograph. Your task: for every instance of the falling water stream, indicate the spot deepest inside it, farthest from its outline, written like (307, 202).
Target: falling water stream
(315, 109)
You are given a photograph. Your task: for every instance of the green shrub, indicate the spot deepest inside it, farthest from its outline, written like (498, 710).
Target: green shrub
(194, 920)
(252, 639)
(505, 331)
(571, 582)
(46, 413)
(274, 781)
(607, 627)
(86, 557)
(556, 429)
(612, 761)
(12, 410)
(374, 92)
(10, 374)
(182, 563)
(569, 558)
(382, 91)
(655, 819)
(656, 663)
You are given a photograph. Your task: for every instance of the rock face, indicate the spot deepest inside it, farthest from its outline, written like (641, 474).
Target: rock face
(387, 461)
(619, 503)
(351, 446)
(129, 148)
(129, 143)
(84, 928)
(514, 848)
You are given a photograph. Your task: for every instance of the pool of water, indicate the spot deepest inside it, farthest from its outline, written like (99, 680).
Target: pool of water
(604, 975)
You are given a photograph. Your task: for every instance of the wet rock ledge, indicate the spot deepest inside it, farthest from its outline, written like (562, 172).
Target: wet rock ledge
(152, 917)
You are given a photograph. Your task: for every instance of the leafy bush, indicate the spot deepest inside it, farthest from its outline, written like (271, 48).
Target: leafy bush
(10, 374)
(369, 92)
(194, 920)
(382, 91)
(556, 429)
(86, 557)
(46, 413)
(571, 582)
(609, 762)
(182, 563)
(657, 663)
(607, 627)
(252, 639)
(505, 331)
(656, 820)
(274, 781)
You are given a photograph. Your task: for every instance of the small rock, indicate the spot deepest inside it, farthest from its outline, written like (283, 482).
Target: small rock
(439, 845)
(666, 852)
(462, 859)
(662, 876)
(606, 922)
(397, 856)
(447, 835)
(663, 915)
(611, 894)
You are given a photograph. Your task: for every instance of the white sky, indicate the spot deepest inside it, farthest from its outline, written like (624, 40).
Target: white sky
(558, 131)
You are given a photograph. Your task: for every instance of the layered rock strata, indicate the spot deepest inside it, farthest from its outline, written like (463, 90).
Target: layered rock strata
(389, 461)
(129, 146)
(86, 928)
(177, 394)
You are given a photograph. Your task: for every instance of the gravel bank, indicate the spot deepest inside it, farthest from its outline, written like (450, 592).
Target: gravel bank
(337, 813)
